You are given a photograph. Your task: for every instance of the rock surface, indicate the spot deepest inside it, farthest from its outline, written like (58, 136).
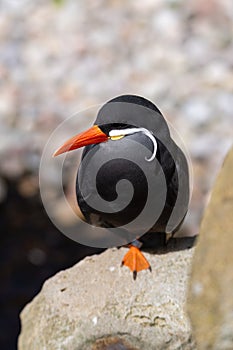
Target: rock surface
(211, 287)
(96, 303)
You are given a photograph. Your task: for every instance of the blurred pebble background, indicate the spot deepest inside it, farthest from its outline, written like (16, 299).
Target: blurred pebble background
(58, 57)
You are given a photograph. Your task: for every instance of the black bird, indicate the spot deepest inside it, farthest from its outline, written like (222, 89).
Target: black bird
(122, 125)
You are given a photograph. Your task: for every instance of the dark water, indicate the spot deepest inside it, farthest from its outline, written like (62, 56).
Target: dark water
(31, 250)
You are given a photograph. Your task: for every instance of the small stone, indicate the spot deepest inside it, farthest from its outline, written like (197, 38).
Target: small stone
(28, 186)
(37, 256)
(94, 320)
(197, 111)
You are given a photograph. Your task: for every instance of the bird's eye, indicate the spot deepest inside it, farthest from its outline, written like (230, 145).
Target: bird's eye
(117, 137)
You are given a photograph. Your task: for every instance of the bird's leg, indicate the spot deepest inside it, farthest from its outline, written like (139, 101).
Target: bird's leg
(169, 237)
(134, 259)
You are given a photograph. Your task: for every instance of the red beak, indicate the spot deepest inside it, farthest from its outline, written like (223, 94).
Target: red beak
(88, 137)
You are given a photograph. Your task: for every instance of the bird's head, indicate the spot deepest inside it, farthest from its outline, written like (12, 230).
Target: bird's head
(103, 133)
(122, 116)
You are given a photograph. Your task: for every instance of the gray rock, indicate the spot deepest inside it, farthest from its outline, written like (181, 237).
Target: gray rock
(97, 302)
(210, 295)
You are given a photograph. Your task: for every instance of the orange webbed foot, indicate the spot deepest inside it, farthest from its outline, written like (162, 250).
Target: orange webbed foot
(135, 261)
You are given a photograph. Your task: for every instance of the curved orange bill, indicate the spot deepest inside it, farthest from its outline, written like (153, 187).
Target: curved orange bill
(88, 137)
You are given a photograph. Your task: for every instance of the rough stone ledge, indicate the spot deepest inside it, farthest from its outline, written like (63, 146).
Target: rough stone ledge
(97, 299)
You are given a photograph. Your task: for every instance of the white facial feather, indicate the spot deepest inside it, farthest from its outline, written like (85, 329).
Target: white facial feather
(129, 131)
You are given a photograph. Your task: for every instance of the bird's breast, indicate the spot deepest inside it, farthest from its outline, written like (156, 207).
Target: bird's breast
(112, 184)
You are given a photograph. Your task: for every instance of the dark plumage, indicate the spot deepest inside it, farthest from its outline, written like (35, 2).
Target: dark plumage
(125, 114)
